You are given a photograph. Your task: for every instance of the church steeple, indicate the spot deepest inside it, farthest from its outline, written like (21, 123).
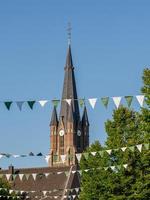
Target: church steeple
(70, 135)
(69, 90)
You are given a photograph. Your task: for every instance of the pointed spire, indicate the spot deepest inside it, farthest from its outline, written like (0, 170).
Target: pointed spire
(70, 114)
(85, 120)
(69, 62)
(54, 119)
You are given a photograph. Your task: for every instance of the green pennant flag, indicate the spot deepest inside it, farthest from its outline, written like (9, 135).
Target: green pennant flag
(128, 100)
(86, 155)
(14, 176)
(105, 101)
(81, 102)
(31, 104)
(132, 148)
(101, 153)
(8, 104)
(55, 102)
(27, 176)
(119, 167)
(66, 173)
(146, 146)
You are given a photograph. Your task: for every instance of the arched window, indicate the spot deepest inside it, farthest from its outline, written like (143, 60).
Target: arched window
(61, 140)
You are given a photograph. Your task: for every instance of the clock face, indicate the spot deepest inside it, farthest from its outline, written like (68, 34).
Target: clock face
(61, 132)
(79, 133)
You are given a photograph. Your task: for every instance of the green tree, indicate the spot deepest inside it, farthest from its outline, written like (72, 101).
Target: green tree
(126, 128)
(4, 191)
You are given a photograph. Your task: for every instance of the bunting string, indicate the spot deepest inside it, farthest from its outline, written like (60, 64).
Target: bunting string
(139, 147)
(117, 100)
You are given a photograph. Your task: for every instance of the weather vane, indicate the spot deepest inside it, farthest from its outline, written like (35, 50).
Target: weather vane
(69, 33)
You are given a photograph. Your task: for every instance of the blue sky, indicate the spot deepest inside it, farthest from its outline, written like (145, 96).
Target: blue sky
(110, 47)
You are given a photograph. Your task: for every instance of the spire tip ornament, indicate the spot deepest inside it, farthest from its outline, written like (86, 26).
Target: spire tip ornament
(69, 33)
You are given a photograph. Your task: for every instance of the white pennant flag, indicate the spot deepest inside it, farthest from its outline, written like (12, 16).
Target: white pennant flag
(1, 156)
(140, 99)
(8, 176)
(74, 196)
(112, 167)
(77, 190)
(123, 148)
(63, 158)
(47, 158)
(139, 146)
(74, 171)
(93, 153)
(43, 102)
(34, 176)
(117, 101)
(68, 101)
(109, 151)
(93, 102)
(78, 155)
(44, 193)
(125, 166)
(11, 191)
(16, 156)
(21, 176)
(59, 172)
(46, 174)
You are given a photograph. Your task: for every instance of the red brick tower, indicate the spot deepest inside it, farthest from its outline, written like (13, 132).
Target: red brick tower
(69, 134)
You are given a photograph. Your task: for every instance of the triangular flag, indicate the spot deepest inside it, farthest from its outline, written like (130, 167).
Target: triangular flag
(43, 102)
(125, 166)
(16, 156)
(8, 104)
(8, 176)
(146, 146)
(31, 154)
(63, 158)
(66, 173)
(101, 153)
(73, 196)
(11, 191)
(117, 101)
(109, 151)
(105, 168)
(19, 104)
(55, 102)
(123, 148)
(139, 147)
(1, 156)
(21, 176)
(34, 176)
(128, 100)
(105, 101)
(86, 155)
(77, 190)
(93, 153)
(59, 172)
(44, 193)
(131, 148)
(14, 176)
(140, 99)
(31, 104)
(78, 155)
(47, 158)
(27, 176)
(74, 171)
(112, 167)
(119, 167)
(39, 154)
(68, 101)
(46, 174)
(93, 102)
(81, 102)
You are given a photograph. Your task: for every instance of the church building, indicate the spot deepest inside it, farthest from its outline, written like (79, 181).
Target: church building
(69, 135)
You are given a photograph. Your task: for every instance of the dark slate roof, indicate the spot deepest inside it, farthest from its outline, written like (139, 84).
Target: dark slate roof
(60, 182)
(69, 90)
(85, 120)
(54, 119)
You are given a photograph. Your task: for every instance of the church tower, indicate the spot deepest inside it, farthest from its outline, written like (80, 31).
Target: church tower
(69, 134)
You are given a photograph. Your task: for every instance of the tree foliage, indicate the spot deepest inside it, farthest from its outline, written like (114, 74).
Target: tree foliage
(126, 128)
